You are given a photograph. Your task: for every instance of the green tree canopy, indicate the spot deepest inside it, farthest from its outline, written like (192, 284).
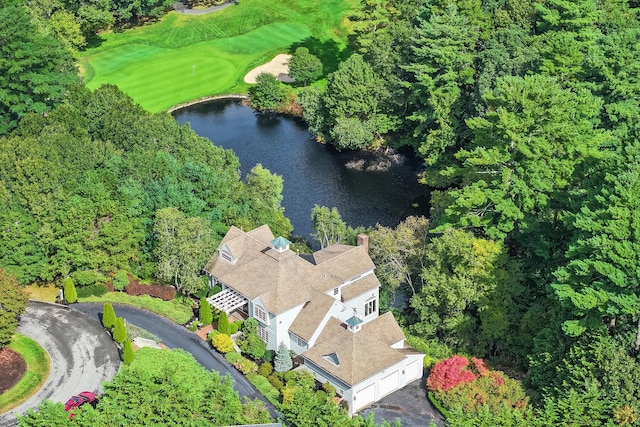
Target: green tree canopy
(305, 67)
(268, 94)
(13, 302)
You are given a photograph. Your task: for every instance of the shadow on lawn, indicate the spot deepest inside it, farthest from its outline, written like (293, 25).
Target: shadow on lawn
(328, 51)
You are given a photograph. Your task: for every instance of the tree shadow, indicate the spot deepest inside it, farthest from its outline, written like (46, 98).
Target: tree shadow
(329, 52)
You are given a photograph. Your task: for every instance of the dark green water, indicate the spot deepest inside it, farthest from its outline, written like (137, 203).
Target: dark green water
(313, 173)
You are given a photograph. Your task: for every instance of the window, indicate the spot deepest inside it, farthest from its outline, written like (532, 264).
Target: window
(370, 307)
(298, 341)
(336, 291)
(226, 256)
(260, 313)
(263, 333)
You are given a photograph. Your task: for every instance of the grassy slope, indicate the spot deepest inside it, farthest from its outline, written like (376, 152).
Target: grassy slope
(37, 361)
(173, 310)
(186, 57)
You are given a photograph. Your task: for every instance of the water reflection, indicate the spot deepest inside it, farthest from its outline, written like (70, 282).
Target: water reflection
(313, 173)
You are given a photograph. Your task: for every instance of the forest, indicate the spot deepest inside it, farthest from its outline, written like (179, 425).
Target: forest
(526, 114)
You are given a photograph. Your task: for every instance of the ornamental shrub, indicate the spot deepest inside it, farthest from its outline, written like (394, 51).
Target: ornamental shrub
(450, 373)
(250, 326)
(235, 327)
(299, 379)
(223, 343)
(265, 369)
(70, 294)
(119, 331)
(128, 353)
(268, 356)
(275, 380)
(92, 290)
(329, 389)
(245, 365)
(253, 346)
(282, 361)
(121, 280)
(205, 315)
(164, 292)
(232, 357)
(223, 323)
(108, 316)
(321, 397)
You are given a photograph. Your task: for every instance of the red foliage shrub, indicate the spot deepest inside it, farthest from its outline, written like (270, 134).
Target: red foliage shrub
(165, 292)
(450, 373)
(480, 366)
(498, 380)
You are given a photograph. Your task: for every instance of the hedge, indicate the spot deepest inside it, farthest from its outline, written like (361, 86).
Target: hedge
(167, 293)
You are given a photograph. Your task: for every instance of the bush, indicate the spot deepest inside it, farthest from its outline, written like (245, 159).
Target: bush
(268, 356)
(108, 316)
(232, 357)
(329, 389)
(70, 294)
(205, 315)
(235, 327)
(265, 369)
(223, 323)
(119, 331)
(193, 326)
(450, 373)
(299, 378)
(88, 278)
(282, 361)
(128, 353)
(250, 326)
(222, 343)
(275, 381)
(121, 280)
(321, 397)
(265, 388)
(434, 350)
(166, 293)
(253, 346)
(245, 365)
(92, 290)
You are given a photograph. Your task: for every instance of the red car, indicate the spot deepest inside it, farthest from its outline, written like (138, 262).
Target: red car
(79, 400)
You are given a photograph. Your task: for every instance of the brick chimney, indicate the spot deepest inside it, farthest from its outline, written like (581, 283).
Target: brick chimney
(363, 240)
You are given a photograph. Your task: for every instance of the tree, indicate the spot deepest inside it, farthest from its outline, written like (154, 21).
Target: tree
(282, 362)
(119, 331)
(121, 280)
(223, 323)
(305, 67)
(127, 353)
(268, 94)
(35, 70)
(264, 193)
(252, 345)
(205, 315)
(183, 246)
(108, 316)
(13, 302)
(69, 289)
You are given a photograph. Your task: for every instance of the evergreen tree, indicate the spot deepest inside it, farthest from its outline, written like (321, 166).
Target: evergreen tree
(205, 315)
(127, 353)
(119, 332)
(282, 362)
(108, 316)
(305, 67)
(70, 293)
(268, 94)
(223, 323)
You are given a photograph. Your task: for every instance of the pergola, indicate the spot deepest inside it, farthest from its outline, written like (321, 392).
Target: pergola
(227, 300)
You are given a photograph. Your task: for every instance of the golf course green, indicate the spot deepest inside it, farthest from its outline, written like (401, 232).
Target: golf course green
(186, 57)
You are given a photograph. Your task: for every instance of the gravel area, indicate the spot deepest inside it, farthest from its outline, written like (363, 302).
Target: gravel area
(82, 354)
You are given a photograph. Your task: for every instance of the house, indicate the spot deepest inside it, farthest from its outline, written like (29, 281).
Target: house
(322, 306)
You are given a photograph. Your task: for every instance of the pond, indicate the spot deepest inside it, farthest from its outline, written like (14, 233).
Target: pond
(313, 173)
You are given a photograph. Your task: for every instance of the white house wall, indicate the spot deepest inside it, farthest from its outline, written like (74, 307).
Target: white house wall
(281, 325)
(359, 302)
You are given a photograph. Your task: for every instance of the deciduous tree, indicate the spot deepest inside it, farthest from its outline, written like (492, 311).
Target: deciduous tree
(13, 302)
(305, 67)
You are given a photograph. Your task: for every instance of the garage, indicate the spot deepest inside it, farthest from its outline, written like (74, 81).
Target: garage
(364, 397)
(389, 384)
(411, 371)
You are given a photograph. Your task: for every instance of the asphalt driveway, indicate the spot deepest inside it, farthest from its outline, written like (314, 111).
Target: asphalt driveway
(82, 354)
(176, 336)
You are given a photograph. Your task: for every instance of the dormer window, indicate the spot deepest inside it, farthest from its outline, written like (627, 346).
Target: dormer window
(332, 358)
(280, 244)
(226, 255)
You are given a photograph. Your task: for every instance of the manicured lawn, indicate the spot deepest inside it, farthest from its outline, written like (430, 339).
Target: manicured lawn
(37, 373)
(186, 57)
(173, 310)
(42, 293)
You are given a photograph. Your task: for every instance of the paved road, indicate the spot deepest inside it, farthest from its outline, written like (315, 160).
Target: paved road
(82, 353)
(176, 336)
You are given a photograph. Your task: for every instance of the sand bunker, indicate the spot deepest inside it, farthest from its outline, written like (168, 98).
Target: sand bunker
(278, 66)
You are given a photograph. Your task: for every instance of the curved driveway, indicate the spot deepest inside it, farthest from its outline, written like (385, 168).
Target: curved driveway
(176, 336)
(82, 353)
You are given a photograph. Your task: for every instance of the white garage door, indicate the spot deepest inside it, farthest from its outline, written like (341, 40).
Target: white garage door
(411, 371)
(389, 384)
(364, 397)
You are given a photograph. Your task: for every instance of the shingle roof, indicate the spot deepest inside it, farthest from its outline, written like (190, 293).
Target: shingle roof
(360, 286)
(311, 315)
(362, 354)
(343, 262)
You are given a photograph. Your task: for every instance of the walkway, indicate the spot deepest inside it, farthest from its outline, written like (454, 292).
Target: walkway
(176, 336)
(182, 8)
(82, 354)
